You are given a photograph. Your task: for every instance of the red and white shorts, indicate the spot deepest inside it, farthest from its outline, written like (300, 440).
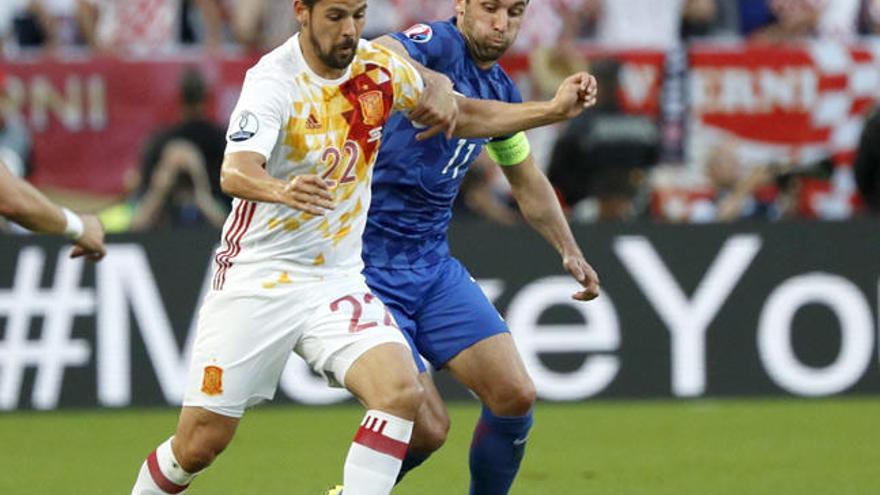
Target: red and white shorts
(245, 338)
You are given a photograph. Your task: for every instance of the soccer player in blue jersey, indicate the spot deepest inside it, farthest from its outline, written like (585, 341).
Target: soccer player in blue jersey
(441, 309)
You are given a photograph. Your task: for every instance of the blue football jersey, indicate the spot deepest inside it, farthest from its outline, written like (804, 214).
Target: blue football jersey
(415, 183)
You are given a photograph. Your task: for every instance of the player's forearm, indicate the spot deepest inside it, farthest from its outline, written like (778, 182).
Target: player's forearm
(248, 180)
(490, 118)
(26, 206)
(540, 207)
(266, 189)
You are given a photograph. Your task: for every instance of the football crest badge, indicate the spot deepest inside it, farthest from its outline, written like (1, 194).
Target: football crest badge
(212, 380)
(372, 107)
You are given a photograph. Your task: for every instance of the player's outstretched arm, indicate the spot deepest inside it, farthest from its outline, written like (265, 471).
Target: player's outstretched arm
(243, 176)
(489, 118)
(438, 107)
(537, 200)
(24, 205)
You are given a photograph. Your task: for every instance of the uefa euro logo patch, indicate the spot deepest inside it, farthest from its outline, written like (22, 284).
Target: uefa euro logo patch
(248, 126)
(420, 33)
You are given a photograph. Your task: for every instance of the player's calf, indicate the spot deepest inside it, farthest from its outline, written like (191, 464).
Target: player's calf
(430, 431)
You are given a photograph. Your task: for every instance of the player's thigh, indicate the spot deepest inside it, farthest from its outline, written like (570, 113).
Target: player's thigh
(242, 343)
(454, 315)
(353, 340)
(432, 421)
(494, 370)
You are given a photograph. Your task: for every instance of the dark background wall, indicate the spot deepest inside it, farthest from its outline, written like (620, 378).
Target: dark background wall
(686, 311)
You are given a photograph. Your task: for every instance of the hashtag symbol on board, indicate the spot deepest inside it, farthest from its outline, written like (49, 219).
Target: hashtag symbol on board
(55, 349)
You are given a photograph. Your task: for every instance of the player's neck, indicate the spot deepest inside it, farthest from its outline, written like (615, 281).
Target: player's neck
(481, 64)
(314, 61)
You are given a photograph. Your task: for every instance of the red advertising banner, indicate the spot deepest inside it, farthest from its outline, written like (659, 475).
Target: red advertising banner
(90, 117)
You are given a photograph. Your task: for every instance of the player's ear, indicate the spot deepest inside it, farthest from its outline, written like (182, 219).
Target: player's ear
(301, 10)
(459, 6)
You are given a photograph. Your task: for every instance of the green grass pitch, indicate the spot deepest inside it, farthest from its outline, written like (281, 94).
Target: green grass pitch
(773, 447)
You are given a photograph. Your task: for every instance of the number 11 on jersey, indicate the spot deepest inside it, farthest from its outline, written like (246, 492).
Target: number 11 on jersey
(455, 156)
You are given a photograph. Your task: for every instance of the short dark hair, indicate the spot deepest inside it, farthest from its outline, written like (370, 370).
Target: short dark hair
(310, 3)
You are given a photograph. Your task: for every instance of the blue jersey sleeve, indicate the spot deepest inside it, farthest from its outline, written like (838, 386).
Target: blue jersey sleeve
(435, 45)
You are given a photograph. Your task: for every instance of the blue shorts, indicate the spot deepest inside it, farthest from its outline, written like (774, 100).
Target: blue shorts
(441, 308)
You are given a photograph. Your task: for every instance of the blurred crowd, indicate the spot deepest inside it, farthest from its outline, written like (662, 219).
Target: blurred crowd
(151, 26)
(606, 164)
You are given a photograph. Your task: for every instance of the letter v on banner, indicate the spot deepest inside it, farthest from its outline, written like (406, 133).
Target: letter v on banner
(126, 284)
(687, 320)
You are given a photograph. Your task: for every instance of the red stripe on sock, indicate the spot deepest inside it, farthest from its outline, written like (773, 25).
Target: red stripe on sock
(380, 443)
(159, 478)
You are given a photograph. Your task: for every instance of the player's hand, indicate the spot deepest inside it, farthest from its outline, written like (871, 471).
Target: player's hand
(308, 193)
(91, 244)
(577, 266)
(437, 108)
(576, 93)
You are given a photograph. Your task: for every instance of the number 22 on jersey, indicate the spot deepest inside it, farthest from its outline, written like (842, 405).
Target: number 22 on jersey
(357, 312)
(333, 156)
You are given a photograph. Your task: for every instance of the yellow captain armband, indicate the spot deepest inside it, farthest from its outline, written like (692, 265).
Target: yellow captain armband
(511, 151)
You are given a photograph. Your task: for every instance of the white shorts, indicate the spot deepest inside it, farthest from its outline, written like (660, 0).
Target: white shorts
(245, 338)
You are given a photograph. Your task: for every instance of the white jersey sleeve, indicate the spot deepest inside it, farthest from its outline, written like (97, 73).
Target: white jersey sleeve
(256, 122)
(408, 83)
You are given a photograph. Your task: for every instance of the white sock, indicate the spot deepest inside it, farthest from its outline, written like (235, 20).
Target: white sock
(161, 474)
(376, 454)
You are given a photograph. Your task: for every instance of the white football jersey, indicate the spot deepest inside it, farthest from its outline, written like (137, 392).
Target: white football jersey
(305, 124)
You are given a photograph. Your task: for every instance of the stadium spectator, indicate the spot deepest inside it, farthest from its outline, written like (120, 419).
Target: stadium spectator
(144, 27)
(261, 24)
(710, 18)
(792, 20)
(23, 204)
(547, 22)
(753, 15)
(652, 23)
(600, 157)
(867, 164)
(181, 167)
(203, 22)
(839, 19)
(869, 17)
(734, 189)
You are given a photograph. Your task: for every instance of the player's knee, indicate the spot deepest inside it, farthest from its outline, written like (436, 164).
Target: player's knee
(196, 451)
(402, 400)
(515, 400)
(195, 456)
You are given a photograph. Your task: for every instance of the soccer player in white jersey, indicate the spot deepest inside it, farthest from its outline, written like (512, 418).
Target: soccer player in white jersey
(301, 144)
